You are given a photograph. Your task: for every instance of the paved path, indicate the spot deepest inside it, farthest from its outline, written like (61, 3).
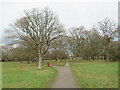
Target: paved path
(64, 78)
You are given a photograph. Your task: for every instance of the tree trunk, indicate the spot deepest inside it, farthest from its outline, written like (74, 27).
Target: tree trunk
(21, 61)
(40, 62)
(28, 62)
(56, 60)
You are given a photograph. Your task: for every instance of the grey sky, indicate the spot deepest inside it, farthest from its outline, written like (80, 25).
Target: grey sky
(71, 13)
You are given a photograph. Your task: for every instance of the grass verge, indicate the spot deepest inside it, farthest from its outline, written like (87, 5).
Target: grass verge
(96, 75)
(23, 75)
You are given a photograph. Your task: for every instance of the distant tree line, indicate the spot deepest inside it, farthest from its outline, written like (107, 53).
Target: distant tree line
(97, 43)
(39, 36)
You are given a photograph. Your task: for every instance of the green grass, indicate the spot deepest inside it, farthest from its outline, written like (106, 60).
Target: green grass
(23, 75)
(96, 75)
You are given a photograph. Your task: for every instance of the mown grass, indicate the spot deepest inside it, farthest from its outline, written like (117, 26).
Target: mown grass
(23, 75)
(96, 74)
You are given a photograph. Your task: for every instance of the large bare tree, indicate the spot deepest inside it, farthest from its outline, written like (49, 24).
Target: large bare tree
(77, 41)
(108, 31)
(59, 48)
(40, 28)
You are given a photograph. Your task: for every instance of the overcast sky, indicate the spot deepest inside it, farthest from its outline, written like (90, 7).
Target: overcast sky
(71, 13)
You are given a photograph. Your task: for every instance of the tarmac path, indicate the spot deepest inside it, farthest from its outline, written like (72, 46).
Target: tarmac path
(65, 78)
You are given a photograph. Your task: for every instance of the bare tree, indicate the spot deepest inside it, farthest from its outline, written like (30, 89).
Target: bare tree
(77, 41)
(41, 27)
(59, 48)
(5, 51)
(108, 31)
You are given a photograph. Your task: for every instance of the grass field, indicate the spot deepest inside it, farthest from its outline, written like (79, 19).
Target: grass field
(23, 75)
(96, 75)
(87, 74)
